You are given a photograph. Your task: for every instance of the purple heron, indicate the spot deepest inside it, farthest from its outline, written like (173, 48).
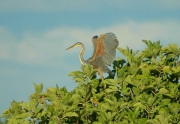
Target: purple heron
(104, 52)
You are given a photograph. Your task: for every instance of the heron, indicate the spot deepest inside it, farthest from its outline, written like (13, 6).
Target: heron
(103, 55)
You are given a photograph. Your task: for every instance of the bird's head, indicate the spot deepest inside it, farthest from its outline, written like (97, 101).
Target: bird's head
(75, 45)
(95, 37)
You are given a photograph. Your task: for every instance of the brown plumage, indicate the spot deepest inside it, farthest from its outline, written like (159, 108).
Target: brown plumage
(104, 52)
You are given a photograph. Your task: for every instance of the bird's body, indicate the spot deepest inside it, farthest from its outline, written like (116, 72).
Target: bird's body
(104, 52)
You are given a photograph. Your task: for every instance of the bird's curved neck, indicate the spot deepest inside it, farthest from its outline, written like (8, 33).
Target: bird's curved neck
(81, 55)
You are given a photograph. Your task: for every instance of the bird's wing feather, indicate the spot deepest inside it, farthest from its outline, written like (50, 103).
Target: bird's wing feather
(106, 48)
(110, 44)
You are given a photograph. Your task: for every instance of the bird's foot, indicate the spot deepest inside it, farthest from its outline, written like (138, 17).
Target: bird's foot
(104, 86)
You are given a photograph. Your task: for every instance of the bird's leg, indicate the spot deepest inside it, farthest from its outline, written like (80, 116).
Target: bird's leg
(101, 76)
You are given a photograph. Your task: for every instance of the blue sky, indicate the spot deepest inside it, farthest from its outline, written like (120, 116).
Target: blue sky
(34, 35)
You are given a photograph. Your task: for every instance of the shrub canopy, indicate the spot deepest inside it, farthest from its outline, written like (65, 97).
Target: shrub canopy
(144, 90)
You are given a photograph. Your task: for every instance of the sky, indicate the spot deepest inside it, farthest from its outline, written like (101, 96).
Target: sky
(35, 33)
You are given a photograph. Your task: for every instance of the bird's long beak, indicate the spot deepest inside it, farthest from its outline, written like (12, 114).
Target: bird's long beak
(70, 47)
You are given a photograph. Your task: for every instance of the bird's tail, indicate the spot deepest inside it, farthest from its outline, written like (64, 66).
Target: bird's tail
(111, 73)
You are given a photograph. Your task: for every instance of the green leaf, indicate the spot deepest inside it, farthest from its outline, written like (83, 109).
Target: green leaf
(109, 90)
(26, 105)
(163, 91)
(75, 97)
(70, 114)
(22, 116)
(113, 88)
(40, 114)
(174, 48)
(139, 104)
(164, 102)
(136, 113)
(176, 70)
(52, 90)
(76, 73)
(154, 61)
(78, 79)
(146, 42)
(72, 73)
(26, 122)
(13, 121)
(52, 122)
(163, 119)
(109, 101)
(38, 88)
(174, 108)
(5, 113)
(150, 100)
(96, 122)
(110, 82)
(130, 79)
(167, 69)
(94, 83)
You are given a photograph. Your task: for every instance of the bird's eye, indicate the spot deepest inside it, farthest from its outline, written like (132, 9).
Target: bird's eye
(95, 37)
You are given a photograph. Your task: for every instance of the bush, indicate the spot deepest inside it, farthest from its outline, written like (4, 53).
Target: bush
(145, 90)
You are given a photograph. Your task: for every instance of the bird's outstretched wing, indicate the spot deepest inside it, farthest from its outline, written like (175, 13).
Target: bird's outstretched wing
(105, 47)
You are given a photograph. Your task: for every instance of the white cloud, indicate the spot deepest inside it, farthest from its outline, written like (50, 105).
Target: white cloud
(6, 44)
(48, 48)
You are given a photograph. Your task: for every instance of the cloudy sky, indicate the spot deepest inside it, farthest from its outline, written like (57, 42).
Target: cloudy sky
(35, 33)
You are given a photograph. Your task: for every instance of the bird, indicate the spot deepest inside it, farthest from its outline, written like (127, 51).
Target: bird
(103, 55)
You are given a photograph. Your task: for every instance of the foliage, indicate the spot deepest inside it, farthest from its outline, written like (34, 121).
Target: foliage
(145, 90)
